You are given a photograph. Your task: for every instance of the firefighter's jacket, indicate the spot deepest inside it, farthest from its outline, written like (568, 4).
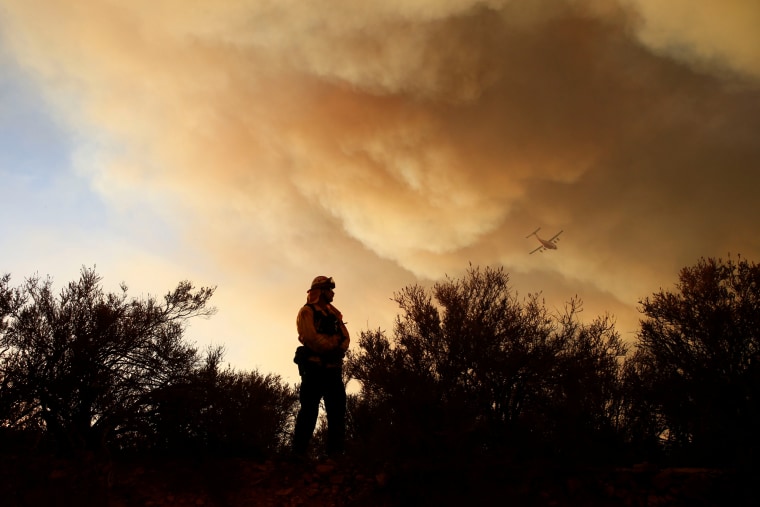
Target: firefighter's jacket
(327, 349)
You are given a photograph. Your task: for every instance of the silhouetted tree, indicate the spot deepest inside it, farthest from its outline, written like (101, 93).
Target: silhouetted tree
(218, 411)
(472, 369)
(697, 359)
(6, 300)
(86, 362)
(643, 422)
(584, 404)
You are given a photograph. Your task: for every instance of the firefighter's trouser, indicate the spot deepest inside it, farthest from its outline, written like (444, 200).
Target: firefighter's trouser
(318, 382)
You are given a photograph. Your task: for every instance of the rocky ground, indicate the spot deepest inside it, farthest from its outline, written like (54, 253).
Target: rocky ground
(33, 482)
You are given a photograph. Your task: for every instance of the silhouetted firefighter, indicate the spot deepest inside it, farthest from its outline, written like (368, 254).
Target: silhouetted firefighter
(324, 340)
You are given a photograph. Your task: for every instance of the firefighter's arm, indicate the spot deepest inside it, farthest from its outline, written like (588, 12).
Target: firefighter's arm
(307, 333)
(344, 340)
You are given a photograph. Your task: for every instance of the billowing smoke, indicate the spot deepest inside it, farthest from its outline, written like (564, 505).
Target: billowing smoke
(389, 142)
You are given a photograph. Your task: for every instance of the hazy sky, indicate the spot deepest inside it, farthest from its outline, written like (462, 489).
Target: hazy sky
(253, 145)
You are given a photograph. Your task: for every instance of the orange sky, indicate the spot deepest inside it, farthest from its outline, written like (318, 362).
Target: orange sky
(256, 144)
